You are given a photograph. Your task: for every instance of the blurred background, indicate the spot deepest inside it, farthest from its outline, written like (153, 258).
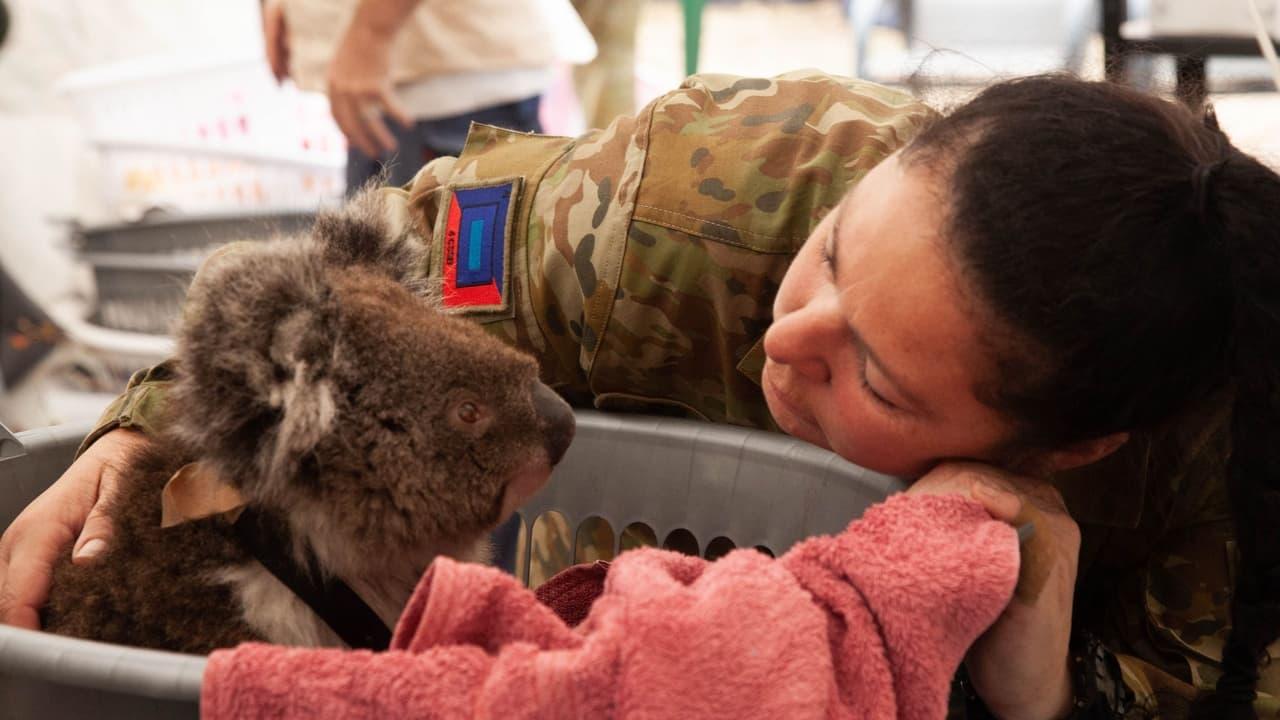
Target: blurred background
(138, 135)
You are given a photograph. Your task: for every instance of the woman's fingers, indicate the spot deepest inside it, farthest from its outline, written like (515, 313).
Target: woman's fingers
(110, 454)
(363, 117)
(39, 536)
(97, 530)
(1002, 504)
(994, 489)
(34, 541)
(1034, 507)
(26, 585)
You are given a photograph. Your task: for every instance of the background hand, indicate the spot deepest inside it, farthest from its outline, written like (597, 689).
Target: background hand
(76, 503)
(360, 91)
(276, 38)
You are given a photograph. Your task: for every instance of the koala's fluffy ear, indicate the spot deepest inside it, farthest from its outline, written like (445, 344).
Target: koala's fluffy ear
(253, 391)
(373, 230)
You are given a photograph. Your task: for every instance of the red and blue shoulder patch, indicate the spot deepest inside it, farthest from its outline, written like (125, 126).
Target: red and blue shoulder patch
(477, 245)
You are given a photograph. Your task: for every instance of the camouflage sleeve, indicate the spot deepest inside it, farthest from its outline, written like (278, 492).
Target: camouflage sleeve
(734, 176)
(1156, 693)
(1122, 687)
(643, 256)
(138, 408)
(1183, 621)
(1168, 612)
(423, 194)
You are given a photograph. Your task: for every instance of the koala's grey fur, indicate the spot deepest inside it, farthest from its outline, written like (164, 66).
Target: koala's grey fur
(316, 375)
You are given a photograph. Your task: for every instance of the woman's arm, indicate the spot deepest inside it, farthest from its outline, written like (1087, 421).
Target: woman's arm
(1186, 613)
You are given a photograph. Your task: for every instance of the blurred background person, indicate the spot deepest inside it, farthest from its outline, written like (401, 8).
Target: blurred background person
(406, 78)
(606, 86)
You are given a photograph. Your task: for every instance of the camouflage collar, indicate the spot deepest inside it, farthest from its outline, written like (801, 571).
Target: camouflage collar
(752, 364)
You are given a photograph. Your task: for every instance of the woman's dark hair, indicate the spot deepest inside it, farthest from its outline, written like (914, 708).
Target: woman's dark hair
(1131, 256)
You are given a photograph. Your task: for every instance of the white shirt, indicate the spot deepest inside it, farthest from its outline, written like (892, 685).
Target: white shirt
(444, 95)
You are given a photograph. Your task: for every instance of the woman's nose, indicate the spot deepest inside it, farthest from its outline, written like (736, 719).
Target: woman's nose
(803, 339)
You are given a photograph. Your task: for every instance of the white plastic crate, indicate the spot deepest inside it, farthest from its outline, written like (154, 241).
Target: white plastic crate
(196, 179)
(207, 134)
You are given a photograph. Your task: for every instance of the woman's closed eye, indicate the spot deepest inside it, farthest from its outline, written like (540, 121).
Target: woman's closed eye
(827, 253)
(827, 256)
(870, 390)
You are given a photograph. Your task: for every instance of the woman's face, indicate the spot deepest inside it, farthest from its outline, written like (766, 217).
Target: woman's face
(875, 349)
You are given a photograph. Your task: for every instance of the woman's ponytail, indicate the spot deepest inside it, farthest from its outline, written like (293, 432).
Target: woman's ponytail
(1131, 255)
(1241, 211)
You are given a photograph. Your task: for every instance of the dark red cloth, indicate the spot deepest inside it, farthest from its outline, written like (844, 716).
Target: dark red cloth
(572, 592)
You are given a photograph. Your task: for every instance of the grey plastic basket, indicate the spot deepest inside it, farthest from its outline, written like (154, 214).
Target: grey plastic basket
(755, 488)
(174, 234)
(142, 269)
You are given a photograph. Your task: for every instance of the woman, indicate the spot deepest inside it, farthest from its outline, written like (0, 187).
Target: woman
(1060, 280)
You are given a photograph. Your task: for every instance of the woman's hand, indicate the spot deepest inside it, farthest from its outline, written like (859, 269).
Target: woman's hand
(1020, 666)
(360, 92)
(76, 503)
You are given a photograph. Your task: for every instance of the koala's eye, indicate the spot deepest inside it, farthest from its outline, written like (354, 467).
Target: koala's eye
(468, 412)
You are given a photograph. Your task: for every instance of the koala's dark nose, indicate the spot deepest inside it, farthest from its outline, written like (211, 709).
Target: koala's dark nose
(557, 420)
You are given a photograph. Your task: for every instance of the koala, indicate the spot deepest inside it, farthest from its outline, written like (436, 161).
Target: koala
(364, 431)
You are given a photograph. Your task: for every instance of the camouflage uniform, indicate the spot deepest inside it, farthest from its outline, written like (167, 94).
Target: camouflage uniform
(644, 262)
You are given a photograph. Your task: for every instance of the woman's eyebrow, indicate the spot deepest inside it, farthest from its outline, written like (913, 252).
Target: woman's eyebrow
(833, 245)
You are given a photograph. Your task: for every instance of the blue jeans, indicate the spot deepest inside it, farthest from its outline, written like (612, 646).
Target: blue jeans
(429, 139)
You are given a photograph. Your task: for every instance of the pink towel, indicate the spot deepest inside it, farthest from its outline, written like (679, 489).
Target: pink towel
(871, 623)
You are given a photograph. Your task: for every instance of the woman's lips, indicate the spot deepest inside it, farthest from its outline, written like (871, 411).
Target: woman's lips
(778, 398)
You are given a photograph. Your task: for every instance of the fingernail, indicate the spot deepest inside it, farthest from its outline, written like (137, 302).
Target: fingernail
(91, 548)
